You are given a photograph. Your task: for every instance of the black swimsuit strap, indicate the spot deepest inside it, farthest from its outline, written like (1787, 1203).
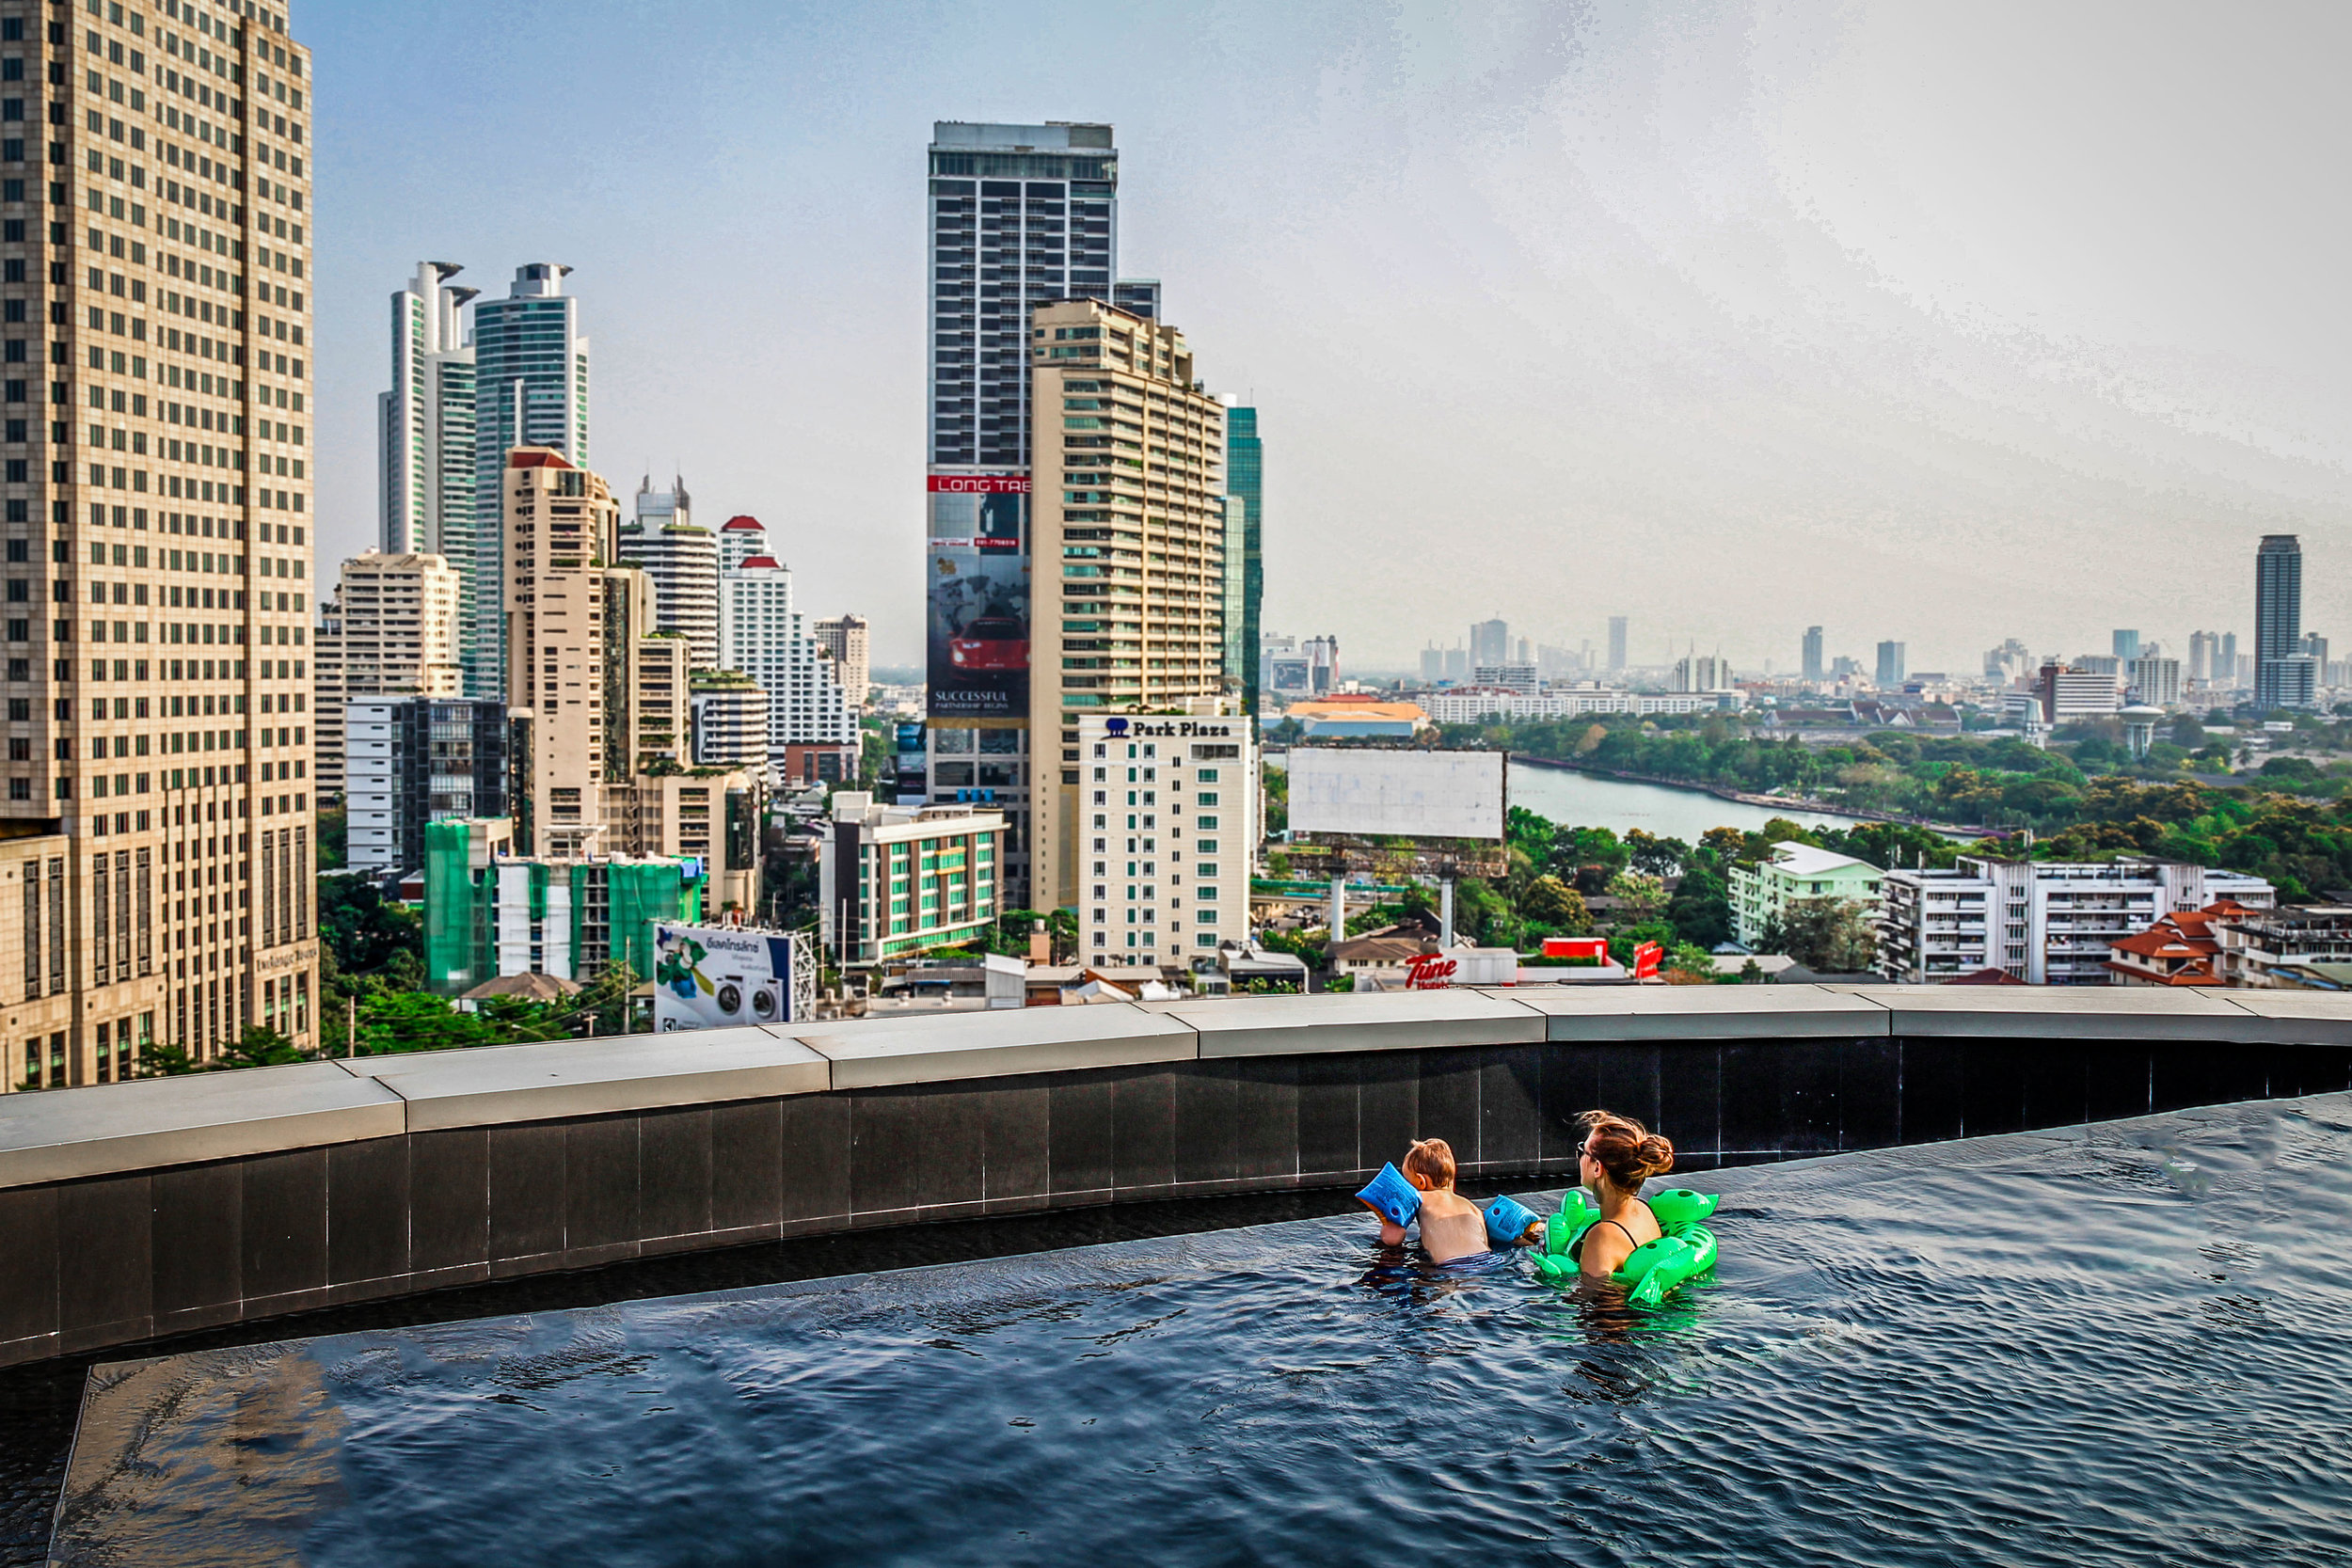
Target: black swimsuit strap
(1577, 1251)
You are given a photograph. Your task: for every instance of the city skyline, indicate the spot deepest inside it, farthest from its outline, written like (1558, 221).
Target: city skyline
(787, 185)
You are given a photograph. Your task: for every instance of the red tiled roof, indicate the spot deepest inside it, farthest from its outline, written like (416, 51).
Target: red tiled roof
(751, 561)
(740, 522)
(536, 457)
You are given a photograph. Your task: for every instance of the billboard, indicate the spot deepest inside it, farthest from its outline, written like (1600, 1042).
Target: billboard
(976, 609)
(1371, 793)
(720, 976)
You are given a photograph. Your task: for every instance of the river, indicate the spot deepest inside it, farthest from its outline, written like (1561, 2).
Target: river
(1591, 801)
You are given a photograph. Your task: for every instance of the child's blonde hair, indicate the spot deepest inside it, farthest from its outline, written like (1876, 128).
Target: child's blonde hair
(1432, 1158)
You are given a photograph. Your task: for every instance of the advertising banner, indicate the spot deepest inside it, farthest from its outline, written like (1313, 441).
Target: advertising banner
(720, 976)
(978, 609)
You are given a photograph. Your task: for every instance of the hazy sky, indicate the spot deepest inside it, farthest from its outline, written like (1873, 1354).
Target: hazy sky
(1945, 324)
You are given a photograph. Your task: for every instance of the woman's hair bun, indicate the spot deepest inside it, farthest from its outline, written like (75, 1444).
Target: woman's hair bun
(1629, 1153)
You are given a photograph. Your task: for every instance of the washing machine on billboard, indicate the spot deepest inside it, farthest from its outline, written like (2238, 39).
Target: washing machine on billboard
(721, 978)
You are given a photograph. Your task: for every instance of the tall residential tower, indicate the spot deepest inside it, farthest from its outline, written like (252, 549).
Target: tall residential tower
(424, 424)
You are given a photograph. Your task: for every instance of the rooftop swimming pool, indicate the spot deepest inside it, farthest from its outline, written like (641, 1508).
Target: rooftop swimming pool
(2126, 1343)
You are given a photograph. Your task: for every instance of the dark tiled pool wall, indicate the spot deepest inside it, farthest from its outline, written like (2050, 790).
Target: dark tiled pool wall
(116, 1260)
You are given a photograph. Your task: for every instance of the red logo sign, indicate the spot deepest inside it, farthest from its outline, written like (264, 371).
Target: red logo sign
(980, 484)
(1429, 972)
(1645, 959)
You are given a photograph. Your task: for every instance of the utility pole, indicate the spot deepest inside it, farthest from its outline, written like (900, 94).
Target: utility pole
(351, 1027)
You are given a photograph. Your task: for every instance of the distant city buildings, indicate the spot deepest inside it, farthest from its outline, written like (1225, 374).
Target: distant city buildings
(1616, 644)
(812, 733)
(848, 640)
(1812, 666)
(2125, 645)
(2155, 680)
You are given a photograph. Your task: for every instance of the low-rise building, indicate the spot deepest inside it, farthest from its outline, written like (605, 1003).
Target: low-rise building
(893, 881)
(490, 913)
(2046, 921)
(1762, 893)
(2180, 949)
(2275, 948)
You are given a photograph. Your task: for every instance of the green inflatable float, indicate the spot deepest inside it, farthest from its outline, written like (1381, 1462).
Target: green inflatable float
(1685, 1251)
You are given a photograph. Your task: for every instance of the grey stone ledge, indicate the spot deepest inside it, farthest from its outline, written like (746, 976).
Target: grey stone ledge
(581, 1078)
(2061, 1012)
(63, 1135)
(1704, 1012)
(1346, 1020)
(879, 1053)
(2292, 1017)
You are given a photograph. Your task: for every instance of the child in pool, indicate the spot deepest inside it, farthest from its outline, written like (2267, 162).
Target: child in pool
(1452, 1226)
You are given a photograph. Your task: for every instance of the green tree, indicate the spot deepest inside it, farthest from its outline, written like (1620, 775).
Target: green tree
(1548, 901)
(1831, 935)
(1700, 910)
(1641, 895)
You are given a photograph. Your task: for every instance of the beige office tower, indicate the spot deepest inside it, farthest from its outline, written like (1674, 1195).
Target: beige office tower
(156, 851)
(600, 697)
(1129, 542)
(845, 636)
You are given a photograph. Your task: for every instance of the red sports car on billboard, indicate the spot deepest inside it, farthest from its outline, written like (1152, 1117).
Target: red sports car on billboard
(991, 643)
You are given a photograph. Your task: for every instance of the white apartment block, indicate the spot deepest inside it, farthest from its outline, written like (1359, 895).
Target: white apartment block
(891, 881)
(2046, 923)
(1166, 826)
(425, 423)
(391, 628)
(812, 731)
(683, 561)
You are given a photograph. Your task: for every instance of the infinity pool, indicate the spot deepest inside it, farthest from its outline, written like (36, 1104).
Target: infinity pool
(2127, 1343)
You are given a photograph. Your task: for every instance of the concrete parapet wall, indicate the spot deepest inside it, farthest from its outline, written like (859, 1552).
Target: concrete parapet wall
(153, 1207)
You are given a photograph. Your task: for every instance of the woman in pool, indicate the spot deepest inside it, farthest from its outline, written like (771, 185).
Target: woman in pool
(1619, 1155)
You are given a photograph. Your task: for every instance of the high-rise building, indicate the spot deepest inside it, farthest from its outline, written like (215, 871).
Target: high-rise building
(558, 653)
(2316, 645)
(1244, 486)
(414, 760)
(2201, 657)
(424, 424)
(393, 628)
(1489, 643)
(2155, 680)
(1323, 663)
(2126, 646)
(730, 720)
(531, 390)
(1021, 216)
(1131, 623)
(812, 730)
(1812, 662)
(2278, 624)
(848, 639)
(1432, 664)
(158, 812)
(1890, 667)
(683, 561)
(1137, 297)
(1616, 643)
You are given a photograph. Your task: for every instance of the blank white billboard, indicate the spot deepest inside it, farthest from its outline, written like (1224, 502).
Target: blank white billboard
(1407, 793)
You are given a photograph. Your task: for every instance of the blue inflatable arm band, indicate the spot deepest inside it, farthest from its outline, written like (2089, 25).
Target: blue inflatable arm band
(1391, 1196)
(1507, 1220)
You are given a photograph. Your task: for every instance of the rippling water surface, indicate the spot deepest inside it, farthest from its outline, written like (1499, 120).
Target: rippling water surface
(2123, 1344)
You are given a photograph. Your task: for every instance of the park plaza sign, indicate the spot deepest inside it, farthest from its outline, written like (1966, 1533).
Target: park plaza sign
(1174, 729)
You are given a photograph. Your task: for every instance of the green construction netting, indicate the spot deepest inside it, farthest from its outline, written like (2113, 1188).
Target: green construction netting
(456, 917)
(637, 897)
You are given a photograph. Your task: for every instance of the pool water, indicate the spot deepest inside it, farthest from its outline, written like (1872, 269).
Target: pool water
(2126, 1343)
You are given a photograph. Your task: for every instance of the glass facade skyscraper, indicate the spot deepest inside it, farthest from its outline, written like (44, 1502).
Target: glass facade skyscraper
(425, 428)
(1245, 513)
(531, 390)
